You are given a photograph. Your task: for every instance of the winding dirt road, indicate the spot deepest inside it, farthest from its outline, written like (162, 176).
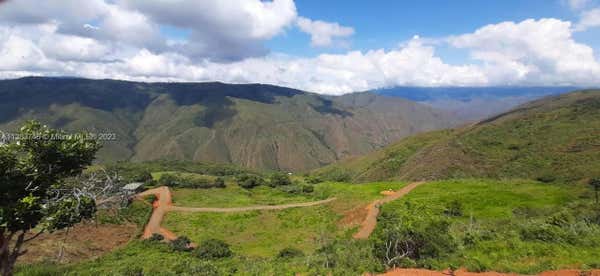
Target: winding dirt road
(164, 204)
(368, 225)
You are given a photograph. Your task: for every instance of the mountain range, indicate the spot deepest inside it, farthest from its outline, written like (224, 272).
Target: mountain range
(474, 103)
(553, 138)
(252, 125)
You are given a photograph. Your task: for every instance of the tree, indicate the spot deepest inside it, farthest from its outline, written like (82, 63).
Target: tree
(279, 179)
(34, 169)
(595, 183)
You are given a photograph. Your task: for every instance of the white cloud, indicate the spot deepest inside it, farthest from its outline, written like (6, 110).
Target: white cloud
(577, 4)
(324, 33)
(122, 40)
(589, 19)
(531, 52)
(221, 29)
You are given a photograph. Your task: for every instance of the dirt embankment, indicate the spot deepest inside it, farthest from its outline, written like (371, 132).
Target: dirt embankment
(82, 242)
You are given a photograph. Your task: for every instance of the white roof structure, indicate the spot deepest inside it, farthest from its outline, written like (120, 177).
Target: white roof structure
(133, 186)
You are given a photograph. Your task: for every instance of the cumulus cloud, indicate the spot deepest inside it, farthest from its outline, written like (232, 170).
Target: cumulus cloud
(531, 52)
(324, 33)
(224, 42)
(221, 29)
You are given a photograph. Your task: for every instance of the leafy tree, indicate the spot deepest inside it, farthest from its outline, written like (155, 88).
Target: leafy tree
(213, 249)
(33, 186)
(279, 179)
(595, 183)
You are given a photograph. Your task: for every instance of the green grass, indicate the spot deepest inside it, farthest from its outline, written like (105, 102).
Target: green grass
(264, 233)
(492, 207)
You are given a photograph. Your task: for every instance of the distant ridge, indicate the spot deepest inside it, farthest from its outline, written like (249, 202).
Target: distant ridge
(554, 138)
(253, 125)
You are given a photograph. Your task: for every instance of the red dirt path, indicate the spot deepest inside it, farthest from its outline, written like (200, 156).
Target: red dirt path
(368, 225)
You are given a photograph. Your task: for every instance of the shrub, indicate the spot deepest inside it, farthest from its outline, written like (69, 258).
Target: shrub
(313, 179)
(182, 243)
(289, 252)
(204, 269)
(279, 179)
(454, 209)
(198, 182)
(547, 178)
(213, 249)
(249, 181)
(156, 237)
(308, 189)
(219, 182)
(414, 235)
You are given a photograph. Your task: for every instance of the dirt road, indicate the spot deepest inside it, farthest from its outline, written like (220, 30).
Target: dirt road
(368, 225)
(250, 208)
(164, 204)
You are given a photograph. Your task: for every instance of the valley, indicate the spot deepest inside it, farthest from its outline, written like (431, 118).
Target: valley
(508, 194)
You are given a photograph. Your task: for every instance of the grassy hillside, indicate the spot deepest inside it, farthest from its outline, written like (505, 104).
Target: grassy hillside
(518, 226)
(256, 126)
(555, 138)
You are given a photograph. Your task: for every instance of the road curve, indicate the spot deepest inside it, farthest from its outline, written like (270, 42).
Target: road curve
(164, 204)
(368, 225)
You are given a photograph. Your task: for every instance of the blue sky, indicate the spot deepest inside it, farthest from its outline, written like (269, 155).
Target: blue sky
(385, 24)
(330, 47)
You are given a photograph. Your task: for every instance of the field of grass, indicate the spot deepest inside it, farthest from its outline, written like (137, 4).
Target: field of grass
(265, 233)
(489, 234)
(495, 215)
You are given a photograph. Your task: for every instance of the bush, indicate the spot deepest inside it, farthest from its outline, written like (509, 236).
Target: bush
(414, 235)
(289, 252)
(307, 189)
(156, 237)
(313, 179)
(182, 243)
(279, 179)
(199, 182)
(547, 178)
(454, 209)
(204, 269)
(213, 249)
(249, 181)
(219, 182)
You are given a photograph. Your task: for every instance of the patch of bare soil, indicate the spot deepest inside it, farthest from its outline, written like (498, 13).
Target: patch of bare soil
(82, 242)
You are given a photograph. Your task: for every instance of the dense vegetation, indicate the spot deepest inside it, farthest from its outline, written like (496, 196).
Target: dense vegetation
(553, 139)
(510, 226)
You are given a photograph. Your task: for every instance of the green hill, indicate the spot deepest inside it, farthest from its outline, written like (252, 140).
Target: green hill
(555, 138)
(252, 125)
